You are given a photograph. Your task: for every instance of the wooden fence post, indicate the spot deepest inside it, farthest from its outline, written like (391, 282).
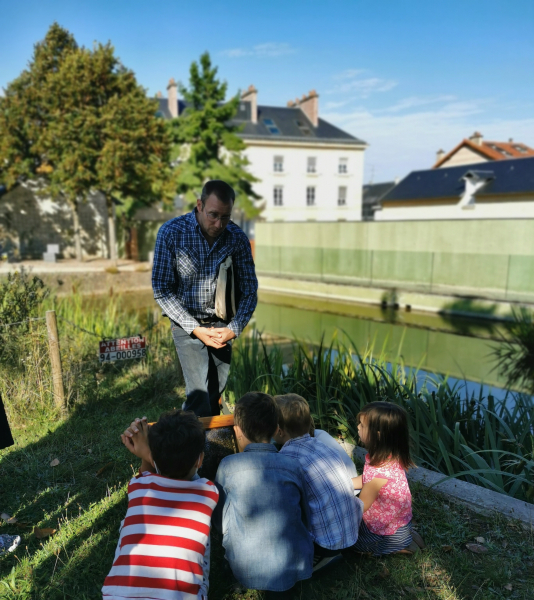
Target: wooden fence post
(55, 359)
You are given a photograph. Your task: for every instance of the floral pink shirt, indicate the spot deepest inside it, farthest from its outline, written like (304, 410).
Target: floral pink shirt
(393, 507)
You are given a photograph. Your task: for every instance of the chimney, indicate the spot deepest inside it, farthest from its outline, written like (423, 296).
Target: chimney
(511, 141)
(159, 95)
(309, 105)
(476, 138)
(439, 155)
(251, 95)
(172, 98)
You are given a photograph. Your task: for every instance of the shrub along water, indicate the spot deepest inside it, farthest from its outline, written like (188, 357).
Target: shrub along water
(477, 439)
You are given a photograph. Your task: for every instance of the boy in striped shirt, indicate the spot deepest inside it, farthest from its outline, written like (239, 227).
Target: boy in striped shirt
(163, 548)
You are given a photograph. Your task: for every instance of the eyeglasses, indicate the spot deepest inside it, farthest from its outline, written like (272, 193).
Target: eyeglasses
(214, 217)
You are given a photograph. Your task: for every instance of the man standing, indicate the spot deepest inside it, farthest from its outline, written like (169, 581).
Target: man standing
(187, 259)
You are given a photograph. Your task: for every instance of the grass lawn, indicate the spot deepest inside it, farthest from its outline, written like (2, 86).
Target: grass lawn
(84, 499)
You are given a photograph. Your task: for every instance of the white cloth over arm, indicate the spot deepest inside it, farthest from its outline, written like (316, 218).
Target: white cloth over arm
(325, 438)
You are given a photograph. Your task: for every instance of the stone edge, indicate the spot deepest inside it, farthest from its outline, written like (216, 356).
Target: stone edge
(478, 499)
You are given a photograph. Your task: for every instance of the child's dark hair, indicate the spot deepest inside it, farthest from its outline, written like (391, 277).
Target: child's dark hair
(295, 417)
(257, 416)
(388, 436)
(176, 441)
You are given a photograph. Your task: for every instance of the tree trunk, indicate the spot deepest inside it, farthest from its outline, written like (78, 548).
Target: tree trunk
(77, 234)
(112, 229)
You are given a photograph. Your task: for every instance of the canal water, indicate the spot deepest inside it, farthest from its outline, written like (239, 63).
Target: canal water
(456, 347)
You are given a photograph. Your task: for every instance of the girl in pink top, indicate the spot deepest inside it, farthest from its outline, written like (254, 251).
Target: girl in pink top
(387, 501)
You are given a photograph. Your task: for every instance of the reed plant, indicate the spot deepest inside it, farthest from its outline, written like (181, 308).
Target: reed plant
(478, 439)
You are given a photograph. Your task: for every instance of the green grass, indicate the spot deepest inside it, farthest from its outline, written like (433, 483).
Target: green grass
(86, 509)
(84, 497)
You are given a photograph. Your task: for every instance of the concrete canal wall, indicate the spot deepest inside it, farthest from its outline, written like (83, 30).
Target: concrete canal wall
(488, 259)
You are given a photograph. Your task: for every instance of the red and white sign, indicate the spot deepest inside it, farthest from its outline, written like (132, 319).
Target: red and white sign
(122, 349)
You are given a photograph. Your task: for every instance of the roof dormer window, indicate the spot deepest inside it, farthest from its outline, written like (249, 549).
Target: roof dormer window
(271, 126)
(304, 129)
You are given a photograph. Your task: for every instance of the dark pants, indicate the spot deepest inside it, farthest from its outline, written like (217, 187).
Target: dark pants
(319, 551)
(205, 370)
(6, 439)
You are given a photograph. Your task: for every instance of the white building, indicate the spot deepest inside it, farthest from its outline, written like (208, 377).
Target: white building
(309, 170)
(501, 189)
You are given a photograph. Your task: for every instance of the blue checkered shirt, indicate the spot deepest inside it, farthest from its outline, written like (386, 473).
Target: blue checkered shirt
(184, 275)
(335, 513)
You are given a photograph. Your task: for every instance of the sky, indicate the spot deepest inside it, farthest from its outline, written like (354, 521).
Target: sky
(409, 77)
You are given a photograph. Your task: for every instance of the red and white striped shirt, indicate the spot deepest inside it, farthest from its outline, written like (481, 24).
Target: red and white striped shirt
(163, 539)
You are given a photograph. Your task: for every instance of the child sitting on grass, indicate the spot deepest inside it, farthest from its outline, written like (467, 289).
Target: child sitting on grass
(335, 513)
(262, 508)
(387, 501)
(163, 548)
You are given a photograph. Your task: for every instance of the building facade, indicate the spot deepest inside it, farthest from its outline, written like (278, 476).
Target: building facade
(501, 189)
(475, 150)
(309, 170)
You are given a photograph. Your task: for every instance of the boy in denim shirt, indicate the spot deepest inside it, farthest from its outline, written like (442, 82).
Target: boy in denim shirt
(335, 513)
(262, 506)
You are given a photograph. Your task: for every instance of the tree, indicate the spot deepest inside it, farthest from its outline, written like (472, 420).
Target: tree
(25, 116)
(101, 134)
(207, 142)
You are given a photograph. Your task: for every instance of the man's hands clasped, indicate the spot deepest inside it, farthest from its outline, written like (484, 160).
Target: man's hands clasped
(215, 337)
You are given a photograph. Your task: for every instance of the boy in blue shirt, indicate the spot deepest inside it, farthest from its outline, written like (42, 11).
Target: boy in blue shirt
(262, 510)
(335, 513)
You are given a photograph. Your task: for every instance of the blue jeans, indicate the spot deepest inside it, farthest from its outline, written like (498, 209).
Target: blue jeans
(205, 370)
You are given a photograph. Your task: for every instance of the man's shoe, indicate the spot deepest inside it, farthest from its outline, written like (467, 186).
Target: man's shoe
(320, 562)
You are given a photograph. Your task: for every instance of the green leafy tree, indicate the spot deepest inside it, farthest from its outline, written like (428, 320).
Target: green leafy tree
(101, 134)
(25, 115)
(207, 141)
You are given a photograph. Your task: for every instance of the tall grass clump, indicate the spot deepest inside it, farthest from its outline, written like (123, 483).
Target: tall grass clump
(477, 439)
(515, 353)
(25, 372)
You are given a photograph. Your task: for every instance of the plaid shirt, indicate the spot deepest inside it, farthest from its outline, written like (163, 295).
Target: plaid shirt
(335, 513)
(185, 271)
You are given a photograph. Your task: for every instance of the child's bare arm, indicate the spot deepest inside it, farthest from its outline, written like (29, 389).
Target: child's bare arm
(135, 438)
(357, 482)
(370, 492)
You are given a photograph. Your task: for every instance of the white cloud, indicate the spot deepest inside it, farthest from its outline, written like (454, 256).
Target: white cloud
(363, 88)
(414, 101)
(348, 74)
(269, 50)
(406, 136)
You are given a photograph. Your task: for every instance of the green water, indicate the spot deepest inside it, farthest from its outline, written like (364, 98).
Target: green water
(457, 347)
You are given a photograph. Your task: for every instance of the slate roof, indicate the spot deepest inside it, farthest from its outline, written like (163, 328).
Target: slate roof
(512, 176)
(285, 120)
(373, 192)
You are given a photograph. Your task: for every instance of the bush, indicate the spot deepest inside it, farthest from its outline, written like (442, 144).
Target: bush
(20, 297)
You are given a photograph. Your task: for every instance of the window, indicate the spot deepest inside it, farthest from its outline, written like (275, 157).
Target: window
(312, 164)
(310, 196)
(342, 196)
(278, 195)
(304, 129)
(521, 149)
(343, 166)
(271, 126)
(278, 165)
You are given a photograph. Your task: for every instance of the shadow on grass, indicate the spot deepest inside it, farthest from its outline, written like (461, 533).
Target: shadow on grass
(84, 498)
